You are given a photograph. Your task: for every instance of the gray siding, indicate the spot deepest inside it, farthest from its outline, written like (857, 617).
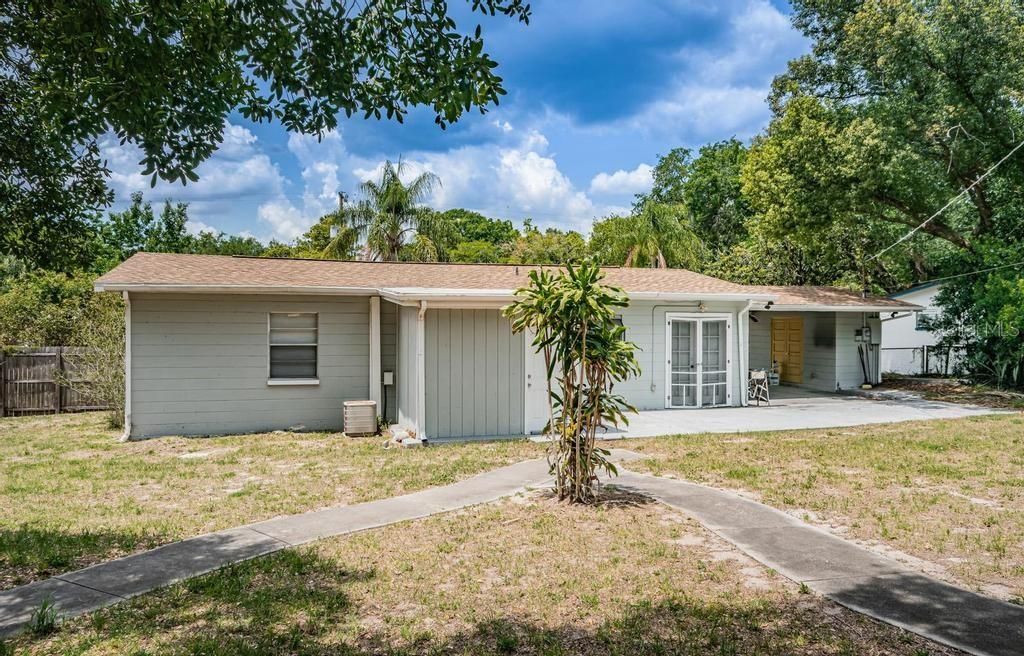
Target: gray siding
(389, 354)
(820, 350)
(761, 341)
(474, 375)
(645, 326)
(199, 364)
(405, 373)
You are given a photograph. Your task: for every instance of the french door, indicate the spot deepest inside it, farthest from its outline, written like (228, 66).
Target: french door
(699, 349)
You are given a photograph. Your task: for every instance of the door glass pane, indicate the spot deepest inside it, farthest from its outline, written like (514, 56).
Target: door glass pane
(683, 391)
(713, 352)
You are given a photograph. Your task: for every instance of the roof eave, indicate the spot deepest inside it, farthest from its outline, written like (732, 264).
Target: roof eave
(909, 307)
(101, 286)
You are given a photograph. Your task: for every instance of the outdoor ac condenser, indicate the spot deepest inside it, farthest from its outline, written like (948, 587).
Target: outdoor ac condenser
(360, 418)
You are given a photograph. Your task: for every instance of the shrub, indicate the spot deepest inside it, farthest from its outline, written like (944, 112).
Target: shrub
(572, 316)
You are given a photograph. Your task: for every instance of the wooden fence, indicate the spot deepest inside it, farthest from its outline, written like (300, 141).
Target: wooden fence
(30, 383)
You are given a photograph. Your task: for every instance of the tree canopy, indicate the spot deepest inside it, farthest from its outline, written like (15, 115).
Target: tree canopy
(165, 77)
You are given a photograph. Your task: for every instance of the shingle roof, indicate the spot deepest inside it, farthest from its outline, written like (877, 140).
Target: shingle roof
(165, 269)
(172, 271)
(828, 296)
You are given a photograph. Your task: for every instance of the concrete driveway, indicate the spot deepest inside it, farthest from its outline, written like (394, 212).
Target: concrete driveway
(792, 408)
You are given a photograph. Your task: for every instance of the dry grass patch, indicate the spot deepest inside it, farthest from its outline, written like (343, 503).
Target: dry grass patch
(523, 576)
(72, 495)
(948, 492)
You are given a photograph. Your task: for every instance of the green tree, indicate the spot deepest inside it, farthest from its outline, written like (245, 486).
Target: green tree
(552, 246)
(473, 226)
(900, 106)
(983, 313)
(331, 237)
(572, 316)
(658, 235)
(166, 77)
(210, 243)
(713, 194)
(670, 175)
(43, 308)
(606, 244)
(475, 251)
(397, 226)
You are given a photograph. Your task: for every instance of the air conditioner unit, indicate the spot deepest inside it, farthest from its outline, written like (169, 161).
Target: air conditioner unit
(360, 418)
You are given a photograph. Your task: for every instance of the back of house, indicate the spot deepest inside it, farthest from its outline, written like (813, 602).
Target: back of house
(219, 345)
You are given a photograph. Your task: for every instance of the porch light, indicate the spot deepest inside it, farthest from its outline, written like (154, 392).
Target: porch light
(701, 307)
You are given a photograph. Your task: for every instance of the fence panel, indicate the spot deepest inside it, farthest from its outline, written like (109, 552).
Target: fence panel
(30, 383)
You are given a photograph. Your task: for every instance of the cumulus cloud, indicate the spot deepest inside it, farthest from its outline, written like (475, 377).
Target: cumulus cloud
(284, 218)
(238, 171)
(518, 178)
(721, 89)
(623, 182)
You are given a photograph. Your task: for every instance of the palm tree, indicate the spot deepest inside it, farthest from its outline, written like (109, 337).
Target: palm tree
(396, 225)
(660, 236)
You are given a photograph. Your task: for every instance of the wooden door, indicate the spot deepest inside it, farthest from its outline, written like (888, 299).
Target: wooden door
(788, 348)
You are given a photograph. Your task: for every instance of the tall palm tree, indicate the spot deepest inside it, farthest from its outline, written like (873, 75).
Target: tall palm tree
(395, 222)
(660, 236)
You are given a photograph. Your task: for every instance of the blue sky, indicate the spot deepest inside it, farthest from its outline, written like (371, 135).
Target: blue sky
(597, 89)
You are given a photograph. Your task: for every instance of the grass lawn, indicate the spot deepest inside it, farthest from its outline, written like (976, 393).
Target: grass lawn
(72, 495)
(522, 576)
(948, 492)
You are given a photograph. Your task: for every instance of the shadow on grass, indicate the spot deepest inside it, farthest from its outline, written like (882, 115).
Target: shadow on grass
(296, 602)
(30, 553)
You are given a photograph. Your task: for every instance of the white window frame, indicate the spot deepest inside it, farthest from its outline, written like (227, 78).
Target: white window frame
(294, 381)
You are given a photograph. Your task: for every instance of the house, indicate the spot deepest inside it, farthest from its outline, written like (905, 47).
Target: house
(219, 344)
(909, 342)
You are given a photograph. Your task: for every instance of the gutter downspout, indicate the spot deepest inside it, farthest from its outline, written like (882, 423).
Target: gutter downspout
(421, 371)
(127, 434)
(743, 325)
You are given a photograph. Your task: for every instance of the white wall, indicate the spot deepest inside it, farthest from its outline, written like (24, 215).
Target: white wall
(645, 324)
(899, 332)
(199, 364)
(902, 343)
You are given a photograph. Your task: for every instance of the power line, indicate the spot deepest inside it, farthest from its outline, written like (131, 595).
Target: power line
(973, 273)
(946, 206)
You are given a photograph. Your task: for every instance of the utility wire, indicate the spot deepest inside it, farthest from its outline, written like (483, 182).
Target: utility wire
(973, 273)
(946, 206)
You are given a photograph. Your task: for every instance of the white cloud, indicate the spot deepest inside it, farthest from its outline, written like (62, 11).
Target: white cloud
(321, 159)
(237, 172)
(286, 221)
(514, 179)
(721, 89)
(623, 182)
(195, 227)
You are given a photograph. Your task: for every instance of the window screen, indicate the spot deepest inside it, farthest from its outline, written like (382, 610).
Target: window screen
(293, 342)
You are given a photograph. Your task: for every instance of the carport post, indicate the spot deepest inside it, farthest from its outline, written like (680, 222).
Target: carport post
(421, 371)
(743, 326)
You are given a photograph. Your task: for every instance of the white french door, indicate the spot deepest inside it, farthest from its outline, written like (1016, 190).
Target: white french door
(699, 363)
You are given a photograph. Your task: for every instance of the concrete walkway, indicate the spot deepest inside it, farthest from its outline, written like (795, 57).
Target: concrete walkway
(844, 572)
(92, 588)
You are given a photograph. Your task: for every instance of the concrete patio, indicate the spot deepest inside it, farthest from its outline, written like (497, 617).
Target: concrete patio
(792, 408)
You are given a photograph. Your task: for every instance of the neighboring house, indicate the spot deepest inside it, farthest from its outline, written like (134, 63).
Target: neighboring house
(909, 342)
(237, 344)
